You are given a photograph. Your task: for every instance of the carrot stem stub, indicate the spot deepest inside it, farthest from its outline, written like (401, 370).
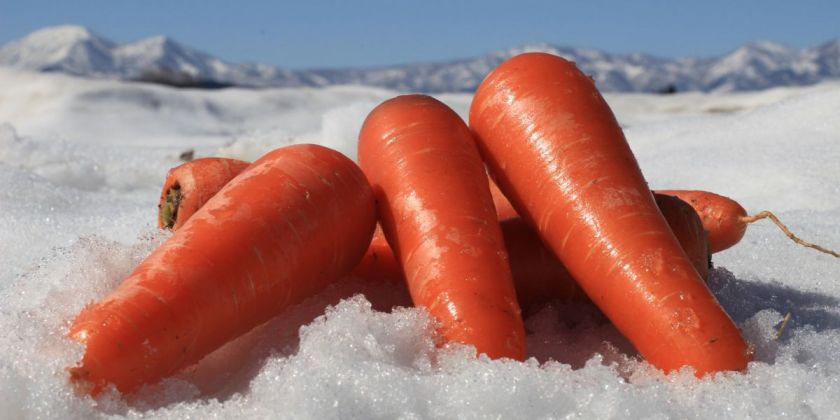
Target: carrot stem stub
(297, 219)
(557, 152)
(188, 186)
(437, 213)
(169, 207)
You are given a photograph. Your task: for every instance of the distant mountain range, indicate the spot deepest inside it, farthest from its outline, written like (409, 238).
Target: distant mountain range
(78, 51)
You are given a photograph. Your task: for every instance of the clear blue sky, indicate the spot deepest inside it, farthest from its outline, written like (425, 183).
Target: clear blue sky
(333, 33)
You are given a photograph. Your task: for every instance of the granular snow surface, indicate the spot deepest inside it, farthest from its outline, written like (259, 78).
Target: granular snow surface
(82, 161)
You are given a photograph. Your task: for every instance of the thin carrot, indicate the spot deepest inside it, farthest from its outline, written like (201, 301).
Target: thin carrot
(188, 186)
(556, 150)
(295, 220)
(722, 217)
(726, 220)
(436, 211)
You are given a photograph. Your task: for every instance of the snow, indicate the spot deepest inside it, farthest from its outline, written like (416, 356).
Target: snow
(81, 162)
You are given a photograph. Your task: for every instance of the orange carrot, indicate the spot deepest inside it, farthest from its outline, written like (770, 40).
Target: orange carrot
(726, 221)
(188, 186)
(295, 220)
(540, 277)
(537, 273)
(557, 152)
(722, 217)
(437, 213)
(688, 229)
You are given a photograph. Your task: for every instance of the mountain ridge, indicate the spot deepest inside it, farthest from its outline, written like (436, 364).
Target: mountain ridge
(79, 51)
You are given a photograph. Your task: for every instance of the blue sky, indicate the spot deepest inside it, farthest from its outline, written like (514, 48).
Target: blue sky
(333, 33)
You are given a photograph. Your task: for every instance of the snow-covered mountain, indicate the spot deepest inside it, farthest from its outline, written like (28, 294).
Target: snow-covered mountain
(76, 50)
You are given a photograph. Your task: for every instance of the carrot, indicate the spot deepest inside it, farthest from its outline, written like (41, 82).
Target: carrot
(681, 217)
(188, 186)
(688, 229)
(556, 150)
(540, 277)
(722, 217)
(537, 273)
(295, 220)
(726, 220)
(436, 211)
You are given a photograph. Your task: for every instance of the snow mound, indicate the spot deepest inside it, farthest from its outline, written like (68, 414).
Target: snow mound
(78, 210)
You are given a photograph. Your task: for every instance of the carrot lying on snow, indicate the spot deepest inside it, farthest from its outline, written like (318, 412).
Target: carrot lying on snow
(556, 150)
(726, 221)
(295, 220)
(436, 211)
(188, 186)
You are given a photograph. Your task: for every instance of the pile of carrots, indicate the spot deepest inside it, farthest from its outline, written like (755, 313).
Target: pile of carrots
(565, 214)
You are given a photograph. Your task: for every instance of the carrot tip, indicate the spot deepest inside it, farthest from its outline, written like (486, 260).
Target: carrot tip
(773, 218)
(80, 380)
(78, 373)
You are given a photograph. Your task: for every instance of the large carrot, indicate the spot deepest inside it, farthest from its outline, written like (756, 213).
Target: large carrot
(297, 219)
(726, 220)
(556, 150)
(188, 186)
(436, 211)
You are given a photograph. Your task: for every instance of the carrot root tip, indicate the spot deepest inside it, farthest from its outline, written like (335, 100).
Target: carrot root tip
(782, 327)
(773, 218)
